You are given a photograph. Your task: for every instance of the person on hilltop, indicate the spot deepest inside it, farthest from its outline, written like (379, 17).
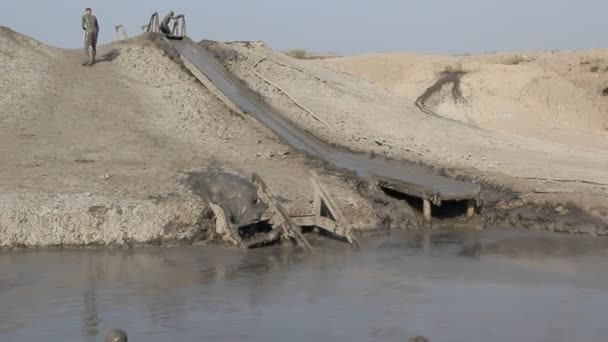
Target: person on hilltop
(90, 25)
(164, 25)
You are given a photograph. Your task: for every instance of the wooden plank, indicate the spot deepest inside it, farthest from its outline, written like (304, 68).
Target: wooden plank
(320, 222)
(280, 218)
(223, 226)
(305, 221)
(322, 197)
(411, 190)
(427, 210)
(424, 193)
(328, 225)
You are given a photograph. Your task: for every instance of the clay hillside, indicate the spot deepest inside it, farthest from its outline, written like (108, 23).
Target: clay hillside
(116, 153)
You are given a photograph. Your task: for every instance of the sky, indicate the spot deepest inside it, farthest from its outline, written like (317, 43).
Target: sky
(345, 27)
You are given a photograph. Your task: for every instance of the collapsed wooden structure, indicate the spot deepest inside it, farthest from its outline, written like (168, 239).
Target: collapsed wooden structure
(279, 226)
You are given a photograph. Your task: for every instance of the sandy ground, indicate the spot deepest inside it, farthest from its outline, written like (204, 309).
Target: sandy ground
(339, 105)
(555, 96)
(100, 155)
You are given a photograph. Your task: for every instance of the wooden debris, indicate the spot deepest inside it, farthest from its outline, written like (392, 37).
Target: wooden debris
(327, 215)
(278, 215)
(223, 227)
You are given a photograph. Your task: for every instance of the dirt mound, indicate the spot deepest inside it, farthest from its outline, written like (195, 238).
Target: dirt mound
(105, 154)
(10, 39)
(545, 95)
(25, 64)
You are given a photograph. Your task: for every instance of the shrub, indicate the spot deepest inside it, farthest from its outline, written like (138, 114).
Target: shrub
(298, 54)
(592, 60)
(515, 59)
(456, 68)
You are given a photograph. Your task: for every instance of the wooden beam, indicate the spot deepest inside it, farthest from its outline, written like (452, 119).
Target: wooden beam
(322, 197)
(411, 190)
(470, 208)
(428, 215)
(279, 216)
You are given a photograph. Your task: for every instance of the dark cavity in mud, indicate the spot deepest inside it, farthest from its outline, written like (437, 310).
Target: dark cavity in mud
(447, 211)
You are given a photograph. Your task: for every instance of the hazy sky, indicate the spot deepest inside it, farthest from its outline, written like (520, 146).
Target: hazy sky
(339, 26)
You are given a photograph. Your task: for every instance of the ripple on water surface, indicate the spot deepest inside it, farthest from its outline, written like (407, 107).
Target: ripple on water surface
(449, 286)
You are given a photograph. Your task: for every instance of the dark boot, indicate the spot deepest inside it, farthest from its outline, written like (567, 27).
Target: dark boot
(86, 56)
(93, 57)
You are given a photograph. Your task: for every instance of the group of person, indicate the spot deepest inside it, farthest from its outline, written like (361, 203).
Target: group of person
(90, 25)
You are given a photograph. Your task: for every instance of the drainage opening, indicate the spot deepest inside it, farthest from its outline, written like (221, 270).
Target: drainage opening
(447, 210)
(451, 209)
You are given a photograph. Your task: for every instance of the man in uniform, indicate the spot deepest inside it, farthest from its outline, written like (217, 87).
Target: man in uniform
(91, 29)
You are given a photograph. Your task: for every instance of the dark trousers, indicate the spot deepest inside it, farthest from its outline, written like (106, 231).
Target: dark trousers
(165, 29)
(90, 40)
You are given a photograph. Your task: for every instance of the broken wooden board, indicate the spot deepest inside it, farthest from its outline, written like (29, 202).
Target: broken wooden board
(329, 226)
(278, 215)
(327, 214)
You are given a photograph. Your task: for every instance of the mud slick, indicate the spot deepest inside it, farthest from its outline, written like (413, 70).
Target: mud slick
(149, 155)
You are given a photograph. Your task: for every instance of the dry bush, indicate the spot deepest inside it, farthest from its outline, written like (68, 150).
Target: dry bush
(592, 60)
(298, 54)
(515, 60)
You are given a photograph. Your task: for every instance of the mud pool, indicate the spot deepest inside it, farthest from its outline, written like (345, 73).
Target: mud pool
(449, 286)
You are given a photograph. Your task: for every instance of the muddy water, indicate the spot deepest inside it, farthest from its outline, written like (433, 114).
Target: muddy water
(458, 286)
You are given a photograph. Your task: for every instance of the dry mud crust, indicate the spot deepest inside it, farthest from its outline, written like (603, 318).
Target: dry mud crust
(574, 208)
(59, 220)
(554, 212)
(356, 114)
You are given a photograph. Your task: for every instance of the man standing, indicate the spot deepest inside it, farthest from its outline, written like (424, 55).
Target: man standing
(91, 29)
